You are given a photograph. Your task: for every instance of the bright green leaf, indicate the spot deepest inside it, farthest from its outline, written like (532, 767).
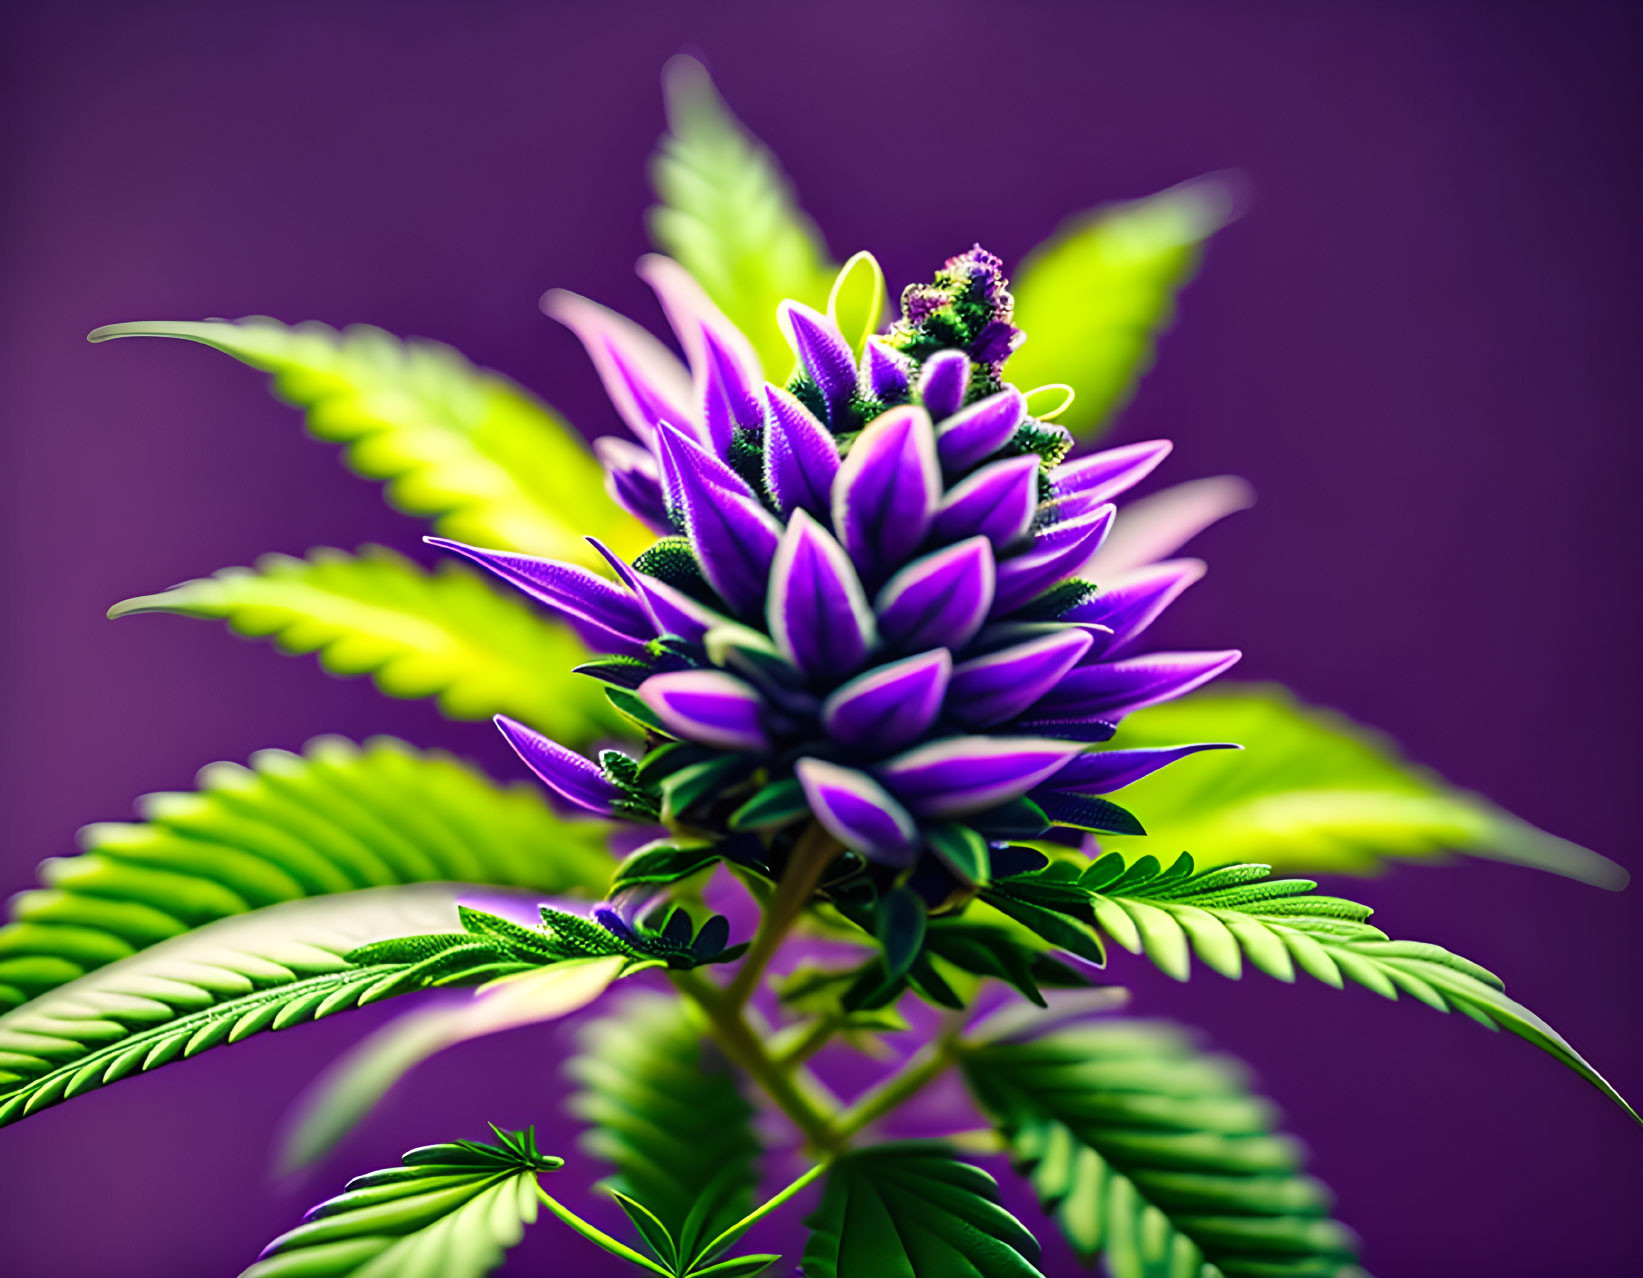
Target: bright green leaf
(856, 303)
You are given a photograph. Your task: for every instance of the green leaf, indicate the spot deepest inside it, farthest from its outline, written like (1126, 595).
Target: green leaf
(334, 819)
(666, 1112)
(740, 1267)
(448, 1211)
(1094, 297)
(856, 302)
(461, 444)
(445, 633)
(728, 216)
(664, 864)
(1156, 1156)
(1314, 791)
(912, 1210)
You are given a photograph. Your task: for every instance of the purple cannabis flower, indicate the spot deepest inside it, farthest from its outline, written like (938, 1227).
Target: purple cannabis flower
(865, 605)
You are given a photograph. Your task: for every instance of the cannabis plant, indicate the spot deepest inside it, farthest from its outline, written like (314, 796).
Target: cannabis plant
(846, 648)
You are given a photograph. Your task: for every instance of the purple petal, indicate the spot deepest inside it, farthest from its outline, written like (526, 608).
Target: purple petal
(885, 372)
(633, 481)
(734, 536)
(1161, 524)
(1106, 474)
(641, 376)
(825, 355)
(576, 780)
(677, 613)
(941, 600)
(1103, 771)
(817, 610)
(1086, 728)
(887, 490)
(997, 502)
(891, 705)
(1056, 554)
(858, 811)
(690, 311)
(800, 457)
(1112, 689)
(1130, 604)
(679, 451)
(728, 391)
(1002, 684)
(970, 774)
(708, 706)
(942, 383)
(973, 434)
(612, 619)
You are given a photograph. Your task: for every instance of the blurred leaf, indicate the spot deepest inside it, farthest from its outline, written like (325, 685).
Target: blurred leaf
(336, 818)
(418, 633)
(1314, 791)
(464, 445)
(728, 216)
(1093, 297)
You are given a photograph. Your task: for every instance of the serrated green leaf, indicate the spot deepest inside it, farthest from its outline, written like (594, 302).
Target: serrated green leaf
(488, 462)
(728, 216)
(663, 864)
(444, 633)
(912, 1210)
(1093, 298)
(1311, 790)
(334, 819)
(1155, 1156)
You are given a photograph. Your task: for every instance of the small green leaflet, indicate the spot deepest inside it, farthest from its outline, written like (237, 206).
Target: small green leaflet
(464, 445)
(1313, 791)
(445, 633)
(334, 819)
(1156, 1156)
(448, 1211)
(913, 1210)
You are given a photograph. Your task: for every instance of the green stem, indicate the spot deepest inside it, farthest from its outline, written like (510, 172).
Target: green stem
(925, 1067)
(814, 1038)
(811, 856)
(758, 1213)
(598, 1236)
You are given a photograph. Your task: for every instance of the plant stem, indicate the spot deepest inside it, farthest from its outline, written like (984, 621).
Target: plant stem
(810, 858)
(758, 1213)
(599, 1236)
(923, 1069)
(814, 1038)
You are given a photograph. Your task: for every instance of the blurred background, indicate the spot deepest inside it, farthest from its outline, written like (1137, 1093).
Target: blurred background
(1419, 344)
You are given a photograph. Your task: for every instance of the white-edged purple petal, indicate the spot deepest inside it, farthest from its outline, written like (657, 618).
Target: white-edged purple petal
(679, 451)
(858, 811)
(823, 353)
(610, 618)
(1105, 474)
(633, 480)
(1160, 524)
(689, 311)
(1131, 602)
(942, 383)
(887, 490)
(708, 706)
(574, 779)
(1002, 684)
(816, 609)
(996, 502)
(1056, 554)
(890, 705)
(1112, 689)
(800, 456)
(940, 600)
(976, 432)
(970, 774)
(885, 372)
(728, 391)
(1103, 771)
(642, 377)
(677, 613)
(734, 536)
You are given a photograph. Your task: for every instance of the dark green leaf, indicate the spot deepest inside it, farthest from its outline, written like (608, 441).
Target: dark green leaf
(900, 920)
(661, 864)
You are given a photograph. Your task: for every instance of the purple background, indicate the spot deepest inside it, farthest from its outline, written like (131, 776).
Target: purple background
(1420, 345)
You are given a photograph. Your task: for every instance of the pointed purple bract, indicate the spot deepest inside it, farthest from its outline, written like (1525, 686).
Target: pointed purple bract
(728, 391)
(1056, 554)
(858, 811)
(576, 780)
(887, 490)
(734, 536)
(677, 613)
(1112, 689)
(690, 312)
(1160, 524)
(824, 354)
(885, 372)
(641, 376)
(975, 433)
(890, 705)
(681, 451)
(633, 481)
(1103, 771)
(970, 774)
(938, 601)
(708, 706)
(997, 502)
(1001, 685)
(800, 457)
(817, 611)
(1104, 475)
(942, 383)
(1132, 602)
